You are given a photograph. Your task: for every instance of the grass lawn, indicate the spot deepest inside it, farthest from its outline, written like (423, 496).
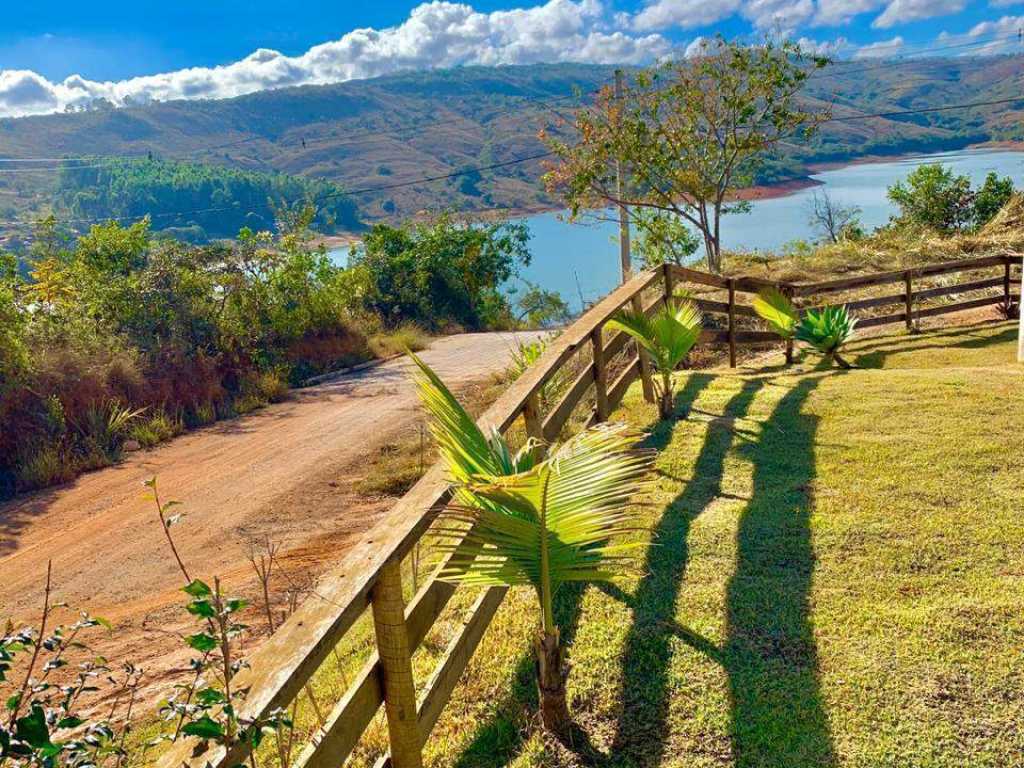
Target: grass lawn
(835, 576)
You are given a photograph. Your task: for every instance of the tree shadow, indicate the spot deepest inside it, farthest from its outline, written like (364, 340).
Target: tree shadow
(874, 353)
(496, 742)
(642, 725)
(770, 655)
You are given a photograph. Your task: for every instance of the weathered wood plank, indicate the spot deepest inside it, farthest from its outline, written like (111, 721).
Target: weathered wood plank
(871, 322)
(880, 278)
(618, 388)
(945, 309)
(559, 415)
(946, 290)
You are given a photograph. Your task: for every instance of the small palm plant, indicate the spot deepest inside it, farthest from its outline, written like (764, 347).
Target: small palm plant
(540, 524)
(827, 329)
(668, 336)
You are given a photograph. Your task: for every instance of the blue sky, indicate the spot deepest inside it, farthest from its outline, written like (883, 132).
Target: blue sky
(59, 53)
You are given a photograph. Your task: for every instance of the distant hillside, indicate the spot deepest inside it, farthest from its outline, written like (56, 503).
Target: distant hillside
(390, 130)
(197, 201)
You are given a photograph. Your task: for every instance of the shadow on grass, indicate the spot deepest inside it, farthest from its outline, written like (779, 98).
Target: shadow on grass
(770, 656)
(497, 742)
(874, 353)
(642, 727)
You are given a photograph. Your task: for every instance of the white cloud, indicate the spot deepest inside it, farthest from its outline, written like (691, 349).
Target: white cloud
(992, 37)
(880, 49)
(1004, 3)
(436, 34)
(902, 11)
(834, 48)
(662, 14)
(782, 16)
(832, 13)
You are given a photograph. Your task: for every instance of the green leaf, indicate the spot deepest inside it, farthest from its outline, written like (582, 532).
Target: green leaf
(202, 642)
(776, 309)
(71, 721)
(12, 703)
(204, 728)
(32, 729)
(236, 604)
(197, 589)
(210, 696)
(202, 608)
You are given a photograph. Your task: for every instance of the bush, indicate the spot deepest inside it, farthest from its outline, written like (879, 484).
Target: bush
(156, 429)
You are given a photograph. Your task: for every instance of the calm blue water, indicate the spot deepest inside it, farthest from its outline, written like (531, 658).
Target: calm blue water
(582, 259)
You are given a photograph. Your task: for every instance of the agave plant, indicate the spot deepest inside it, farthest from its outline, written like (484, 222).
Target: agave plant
(827, 330)
(543, 524)
(668, 336)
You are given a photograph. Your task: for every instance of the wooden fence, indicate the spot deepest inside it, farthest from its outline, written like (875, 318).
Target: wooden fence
(370, 575)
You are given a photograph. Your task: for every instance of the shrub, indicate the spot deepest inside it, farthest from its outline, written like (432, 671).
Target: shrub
(157, 429)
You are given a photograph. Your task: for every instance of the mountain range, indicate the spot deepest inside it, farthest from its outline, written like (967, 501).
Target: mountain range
(373, 137)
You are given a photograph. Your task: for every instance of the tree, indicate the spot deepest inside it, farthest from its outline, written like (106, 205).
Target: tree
(991, 198)
(444, 272)
(932, 195)
(831, 218)
(541, 308)
(664, 238)
(668, 337)
(687, 135)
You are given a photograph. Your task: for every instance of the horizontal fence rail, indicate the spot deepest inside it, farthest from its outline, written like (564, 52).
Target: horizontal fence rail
(369, 576)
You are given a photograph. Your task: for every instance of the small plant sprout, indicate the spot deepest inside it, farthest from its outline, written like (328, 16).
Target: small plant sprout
(668, 336)
(520, 523)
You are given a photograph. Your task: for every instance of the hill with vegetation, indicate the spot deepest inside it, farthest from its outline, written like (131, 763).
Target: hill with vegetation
(196, 201)
(375, 134)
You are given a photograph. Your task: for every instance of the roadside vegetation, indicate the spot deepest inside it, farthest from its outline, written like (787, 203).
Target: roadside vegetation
(120, 338)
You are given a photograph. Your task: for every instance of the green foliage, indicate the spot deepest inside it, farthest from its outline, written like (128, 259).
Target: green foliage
(668, 336)
(991, 197)
(932, 195)
(217, 200)
(14, 358)
(827, 330)
(778, 311)
(540, 308)
(663, 238)
(442, 273)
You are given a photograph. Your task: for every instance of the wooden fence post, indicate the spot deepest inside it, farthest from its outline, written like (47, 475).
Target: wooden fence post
(600, 376)
(670, 283)
(908, 298)
(788, 293)
(732, 322)
(396, 664)
(1006, 282)
(645, 360)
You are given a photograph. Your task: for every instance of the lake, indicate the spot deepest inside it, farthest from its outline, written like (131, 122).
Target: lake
(581, 260)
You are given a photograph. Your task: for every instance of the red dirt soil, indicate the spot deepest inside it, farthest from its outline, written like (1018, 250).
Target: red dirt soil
(284, 473)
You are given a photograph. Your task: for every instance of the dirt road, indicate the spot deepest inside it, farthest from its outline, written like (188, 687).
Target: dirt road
(279, 473)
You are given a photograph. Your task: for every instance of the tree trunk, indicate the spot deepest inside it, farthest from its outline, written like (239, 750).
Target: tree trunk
(552, 672)
(665, 404)
(840, 361)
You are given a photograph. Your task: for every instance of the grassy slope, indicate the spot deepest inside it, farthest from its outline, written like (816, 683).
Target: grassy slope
(836, 579)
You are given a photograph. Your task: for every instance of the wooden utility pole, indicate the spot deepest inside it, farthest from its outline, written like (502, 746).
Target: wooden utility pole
(625, 258)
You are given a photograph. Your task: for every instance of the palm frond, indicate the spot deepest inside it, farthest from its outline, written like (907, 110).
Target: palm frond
(772, 306)
(574, 503)
(668, 335)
